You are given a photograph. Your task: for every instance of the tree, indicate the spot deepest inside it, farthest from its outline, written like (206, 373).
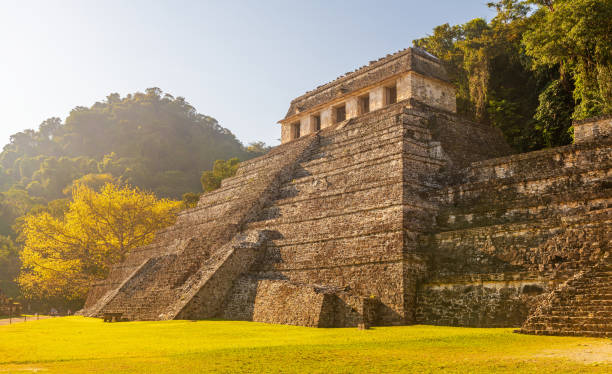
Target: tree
(9, 265)
(93, 181)
(151, 140)
(190, 199)
(554, 114)
(576, 36)
(255, 149)
(63, 255)
(14, 203)
(515, 71)
(211, 180)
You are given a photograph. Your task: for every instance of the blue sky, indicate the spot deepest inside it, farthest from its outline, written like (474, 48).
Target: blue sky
(238, 61)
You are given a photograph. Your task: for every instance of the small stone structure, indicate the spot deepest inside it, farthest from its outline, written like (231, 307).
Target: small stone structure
(8, 307)
(383, 207)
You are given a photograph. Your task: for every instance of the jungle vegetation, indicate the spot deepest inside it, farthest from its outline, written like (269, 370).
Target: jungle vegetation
(533, 69)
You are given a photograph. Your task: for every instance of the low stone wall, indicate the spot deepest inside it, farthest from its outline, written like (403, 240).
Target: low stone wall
(478, 304)
(275, 301)
(283, 302)
(594, 129)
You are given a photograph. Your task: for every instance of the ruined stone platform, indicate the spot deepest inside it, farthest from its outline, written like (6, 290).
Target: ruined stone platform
(399, 214)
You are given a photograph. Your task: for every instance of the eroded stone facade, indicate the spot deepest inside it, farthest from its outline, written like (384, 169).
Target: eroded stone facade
(404, 213)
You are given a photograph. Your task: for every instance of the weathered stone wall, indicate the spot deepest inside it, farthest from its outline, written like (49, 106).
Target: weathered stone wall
(511, 229)
(594, 129)
(435, 93)
(276, 301)
(282, 302)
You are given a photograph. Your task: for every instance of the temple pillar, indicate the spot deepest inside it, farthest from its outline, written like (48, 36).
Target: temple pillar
(377, 98)
(352, 107)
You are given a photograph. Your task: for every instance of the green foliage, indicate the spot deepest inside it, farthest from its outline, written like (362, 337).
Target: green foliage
(15, 203)
(576, 36)
(70, 345)
(93, 181)
(190, 199)
(9, 266)
(554, 114)
(211, 180)
(151, 140)
(255, 149)
(505, 70)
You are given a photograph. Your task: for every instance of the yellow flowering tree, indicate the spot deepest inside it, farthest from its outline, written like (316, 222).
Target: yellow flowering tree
(62, 256)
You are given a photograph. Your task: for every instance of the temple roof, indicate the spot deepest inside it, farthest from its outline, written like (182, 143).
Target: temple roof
(409, 59)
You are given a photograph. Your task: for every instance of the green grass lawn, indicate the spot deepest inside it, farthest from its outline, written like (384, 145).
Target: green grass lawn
(85, 345)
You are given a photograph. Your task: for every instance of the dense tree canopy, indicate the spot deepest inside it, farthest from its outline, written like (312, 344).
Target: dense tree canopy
(9, 265)
(532, 69)
(576, 37)
(152, 140)
(65, 251)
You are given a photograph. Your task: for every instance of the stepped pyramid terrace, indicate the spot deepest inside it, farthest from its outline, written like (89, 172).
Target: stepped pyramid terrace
(383, 207)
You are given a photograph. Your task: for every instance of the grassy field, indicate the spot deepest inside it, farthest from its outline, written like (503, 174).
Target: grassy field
(84, 345)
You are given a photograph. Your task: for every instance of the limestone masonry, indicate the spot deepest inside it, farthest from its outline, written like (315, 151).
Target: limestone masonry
(383, 207)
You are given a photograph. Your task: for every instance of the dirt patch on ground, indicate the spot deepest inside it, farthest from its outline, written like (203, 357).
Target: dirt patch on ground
(584, 352)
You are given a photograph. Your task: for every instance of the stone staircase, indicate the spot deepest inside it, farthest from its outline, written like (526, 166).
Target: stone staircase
(581, 306)
(344, 198)
(150, 283)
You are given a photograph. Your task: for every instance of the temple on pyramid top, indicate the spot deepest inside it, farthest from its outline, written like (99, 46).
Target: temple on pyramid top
(411, 73)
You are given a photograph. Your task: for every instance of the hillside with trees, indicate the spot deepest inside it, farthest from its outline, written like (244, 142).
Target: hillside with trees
(151, 140)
